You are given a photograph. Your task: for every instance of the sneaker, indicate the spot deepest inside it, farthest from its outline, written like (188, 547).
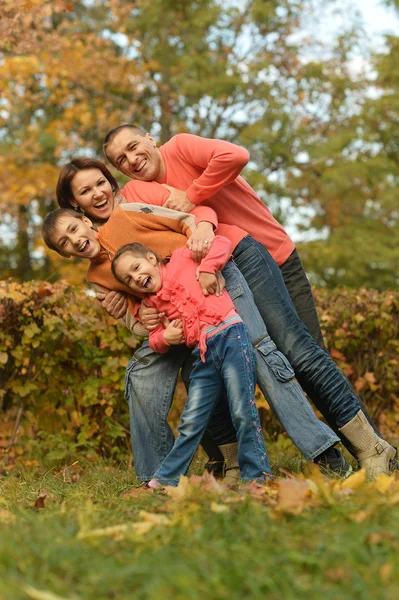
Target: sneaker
(331, 461)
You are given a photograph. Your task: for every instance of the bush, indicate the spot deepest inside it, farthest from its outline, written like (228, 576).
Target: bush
(62, 362)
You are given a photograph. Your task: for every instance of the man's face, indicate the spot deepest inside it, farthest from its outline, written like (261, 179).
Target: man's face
(135, 155)
(75, 237)
(141, 274)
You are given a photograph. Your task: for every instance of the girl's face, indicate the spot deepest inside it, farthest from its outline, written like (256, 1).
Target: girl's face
(141, 274)
(92, 192)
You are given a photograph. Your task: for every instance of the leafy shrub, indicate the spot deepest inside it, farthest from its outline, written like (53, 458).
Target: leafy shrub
(62, 362)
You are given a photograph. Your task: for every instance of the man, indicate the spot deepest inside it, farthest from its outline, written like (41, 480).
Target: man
(204, 171)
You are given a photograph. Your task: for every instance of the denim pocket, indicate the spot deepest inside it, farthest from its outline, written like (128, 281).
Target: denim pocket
(277, 362)
(235, 291)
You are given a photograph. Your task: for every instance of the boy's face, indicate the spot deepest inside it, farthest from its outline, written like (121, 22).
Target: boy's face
(141, 274)
(136, 156)
(75, 237)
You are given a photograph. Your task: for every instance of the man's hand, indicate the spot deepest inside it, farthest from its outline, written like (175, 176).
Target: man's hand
(178, 200)
(207, 282)
(201, 240)
(114, 303)
(149, 316)
(173, 333)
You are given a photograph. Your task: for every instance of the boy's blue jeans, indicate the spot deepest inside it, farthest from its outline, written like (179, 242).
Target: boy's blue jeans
(229, 361)
(151, 380)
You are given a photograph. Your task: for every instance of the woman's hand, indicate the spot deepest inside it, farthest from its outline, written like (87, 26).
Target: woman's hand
(114, 303)
(201, 241)
(149, 316)
(173, 333)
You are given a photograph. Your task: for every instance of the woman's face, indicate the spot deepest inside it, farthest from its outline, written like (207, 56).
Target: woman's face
(92, 192)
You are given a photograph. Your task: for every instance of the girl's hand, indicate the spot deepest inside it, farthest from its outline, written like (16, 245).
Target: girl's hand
(208, 283)
(114, 303)
(201, 241)
(149, 316)
(173, 333)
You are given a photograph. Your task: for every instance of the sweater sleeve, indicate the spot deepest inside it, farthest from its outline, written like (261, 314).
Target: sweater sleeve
(157, 341)
(217, 257)
(149, 192)
(221, 162)
(205, 213)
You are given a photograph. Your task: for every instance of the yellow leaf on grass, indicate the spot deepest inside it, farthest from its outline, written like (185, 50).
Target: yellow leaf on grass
(117, 532)
(354, 481)
(219, 508)
(36, 594)
(383, 483)
(385, 572)
(293, 494)
(180, 491)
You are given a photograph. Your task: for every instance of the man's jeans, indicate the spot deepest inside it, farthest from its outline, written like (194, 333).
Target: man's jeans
(300, 293)
(151, 379)
(315, 370)
(229, 360)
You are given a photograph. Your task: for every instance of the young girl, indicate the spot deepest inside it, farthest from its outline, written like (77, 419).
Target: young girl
(223, 354)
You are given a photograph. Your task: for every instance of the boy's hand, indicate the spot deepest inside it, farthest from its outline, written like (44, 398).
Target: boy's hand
(201, 240)
(178, 200)
(149, 316)
(207, 282)
(114, 303)
(221, 283)
(173, 333)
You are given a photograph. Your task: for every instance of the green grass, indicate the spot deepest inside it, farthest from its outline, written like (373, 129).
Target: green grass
(341, 547)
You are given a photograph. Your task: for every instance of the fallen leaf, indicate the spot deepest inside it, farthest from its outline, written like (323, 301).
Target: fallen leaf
(116, 532)
(359, 517)
(354, 481)
(139, 492)
(293, 494)
(6, 517)
(219, 508)
(386, 572)
(378, 537)
(36, 594)
(40, 500)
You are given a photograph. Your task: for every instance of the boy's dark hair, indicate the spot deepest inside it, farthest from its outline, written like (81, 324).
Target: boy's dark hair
(51, 221)
(136, 249)
(114, 132)
(68, 172)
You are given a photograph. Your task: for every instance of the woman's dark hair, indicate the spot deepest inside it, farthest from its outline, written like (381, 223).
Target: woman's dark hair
(68, 172)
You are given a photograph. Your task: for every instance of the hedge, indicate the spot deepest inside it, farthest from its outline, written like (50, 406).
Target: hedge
(62, 362)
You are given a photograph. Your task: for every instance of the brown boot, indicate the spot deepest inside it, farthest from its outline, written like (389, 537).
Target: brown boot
(232, 474)
(373, 453)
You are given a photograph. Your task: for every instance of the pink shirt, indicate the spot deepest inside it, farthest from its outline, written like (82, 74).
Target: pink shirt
(209, 171)
(181, 296)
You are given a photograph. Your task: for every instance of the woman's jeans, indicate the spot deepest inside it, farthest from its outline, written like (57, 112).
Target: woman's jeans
(315, 370)
(151, 380)
(229, 361)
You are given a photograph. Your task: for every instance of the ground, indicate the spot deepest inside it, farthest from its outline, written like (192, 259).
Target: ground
(84, 531)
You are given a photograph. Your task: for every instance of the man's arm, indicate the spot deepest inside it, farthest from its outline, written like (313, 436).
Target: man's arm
(220, 161)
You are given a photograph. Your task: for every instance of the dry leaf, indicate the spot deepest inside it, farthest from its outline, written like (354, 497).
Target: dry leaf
(354, 481)
(386, 572)
(6, 517)
(219, 508)
(40, 500)
(139, 492)
(35, 594)
(293, 494)
(116, 532)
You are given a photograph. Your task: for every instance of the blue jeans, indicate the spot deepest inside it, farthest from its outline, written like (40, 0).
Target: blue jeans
(315, 370)
(151, 379)
(229, 360)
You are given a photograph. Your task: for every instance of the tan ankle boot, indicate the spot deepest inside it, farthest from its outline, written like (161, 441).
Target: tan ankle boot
(232, 474)
(372, 452)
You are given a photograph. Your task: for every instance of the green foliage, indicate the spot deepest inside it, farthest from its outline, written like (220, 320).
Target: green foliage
(62, 361)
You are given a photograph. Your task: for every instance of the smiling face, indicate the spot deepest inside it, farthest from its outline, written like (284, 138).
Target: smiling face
(92, 192)
(140, 273)
(136, 155)
(75, 237)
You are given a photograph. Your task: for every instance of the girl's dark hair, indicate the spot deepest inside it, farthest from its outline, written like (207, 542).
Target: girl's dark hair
(50, 223)
(68, 172)
(136, 249)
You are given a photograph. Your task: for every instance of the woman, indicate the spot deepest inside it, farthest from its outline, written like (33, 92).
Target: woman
(78, 187)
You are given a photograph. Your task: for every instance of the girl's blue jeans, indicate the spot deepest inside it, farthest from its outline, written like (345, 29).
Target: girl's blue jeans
(229, 362)
(151, 380)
